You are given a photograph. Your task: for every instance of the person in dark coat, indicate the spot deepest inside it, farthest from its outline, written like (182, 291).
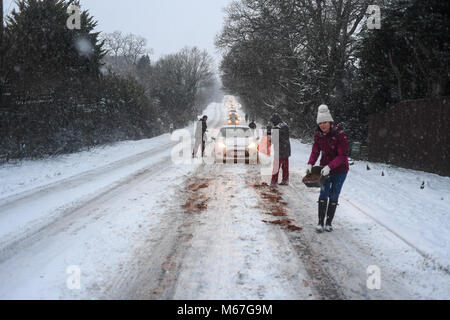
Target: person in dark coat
(332, 142)
(204, 129)
(200, 136)
(282, 147)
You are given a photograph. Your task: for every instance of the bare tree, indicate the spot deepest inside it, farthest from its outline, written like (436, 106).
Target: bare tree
(124, 51)
(179, 82)
(134, 47)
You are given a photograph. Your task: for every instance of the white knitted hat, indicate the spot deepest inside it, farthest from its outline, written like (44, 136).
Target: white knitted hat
(324, 115)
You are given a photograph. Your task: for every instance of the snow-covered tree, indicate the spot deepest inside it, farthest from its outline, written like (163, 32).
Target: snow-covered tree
(291, 56)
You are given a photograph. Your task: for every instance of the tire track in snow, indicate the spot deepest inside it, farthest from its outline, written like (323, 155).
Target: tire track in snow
(80, 210)
(323, 283)
(224, 251)
(154, 271)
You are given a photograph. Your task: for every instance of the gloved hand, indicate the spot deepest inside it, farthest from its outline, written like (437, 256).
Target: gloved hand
(325, 171)
(308, 169)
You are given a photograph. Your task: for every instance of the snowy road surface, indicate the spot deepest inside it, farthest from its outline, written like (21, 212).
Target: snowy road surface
(126, 222)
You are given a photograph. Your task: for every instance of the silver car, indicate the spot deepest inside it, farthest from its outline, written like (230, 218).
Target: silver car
(236, 144)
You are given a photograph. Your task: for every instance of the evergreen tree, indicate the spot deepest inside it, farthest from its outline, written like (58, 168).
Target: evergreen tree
(44, 52)
(144, 68)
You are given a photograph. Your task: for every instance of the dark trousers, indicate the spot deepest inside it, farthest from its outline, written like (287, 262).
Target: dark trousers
(284, 165)
(332, 188)
(196, 146)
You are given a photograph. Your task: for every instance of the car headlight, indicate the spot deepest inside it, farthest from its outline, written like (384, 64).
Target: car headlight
(221, 145)
(252, 145)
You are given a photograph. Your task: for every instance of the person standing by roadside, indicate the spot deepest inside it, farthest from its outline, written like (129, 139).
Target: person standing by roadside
(282, 152)
(264, 145)
(200, 131)
(332, 142)
(204, 129)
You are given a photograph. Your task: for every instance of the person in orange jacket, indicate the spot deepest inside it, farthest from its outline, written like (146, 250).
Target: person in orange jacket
(265, 143)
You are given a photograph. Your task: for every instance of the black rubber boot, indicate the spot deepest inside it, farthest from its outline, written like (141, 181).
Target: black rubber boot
(322, 211)
(330, 215)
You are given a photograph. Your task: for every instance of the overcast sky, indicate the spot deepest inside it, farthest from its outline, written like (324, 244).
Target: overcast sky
(168, 25)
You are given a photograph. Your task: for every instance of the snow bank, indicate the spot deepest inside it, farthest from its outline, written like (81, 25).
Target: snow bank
(29, 174)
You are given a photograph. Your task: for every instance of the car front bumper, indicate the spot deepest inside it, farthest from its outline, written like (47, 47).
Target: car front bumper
(235, 154)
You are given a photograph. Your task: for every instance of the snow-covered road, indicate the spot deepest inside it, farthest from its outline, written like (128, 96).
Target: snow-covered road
(136, 225)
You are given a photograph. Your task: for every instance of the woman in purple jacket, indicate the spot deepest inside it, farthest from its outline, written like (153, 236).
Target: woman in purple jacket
(332, 141)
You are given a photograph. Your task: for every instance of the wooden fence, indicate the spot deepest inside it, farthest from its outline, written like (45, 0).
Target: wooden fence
(413, 134)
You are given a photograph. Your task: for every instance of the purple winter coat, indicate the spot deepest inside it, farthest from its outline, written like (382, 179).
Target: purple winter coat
(334, 148)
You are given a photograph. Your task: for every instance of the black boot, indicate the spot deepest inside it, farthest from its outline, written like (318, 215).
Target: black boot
(322, 211)
(330, 215)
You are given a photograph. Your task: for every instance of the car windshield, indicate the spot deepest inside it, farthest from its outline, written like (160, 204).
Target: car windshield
(235, 132)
